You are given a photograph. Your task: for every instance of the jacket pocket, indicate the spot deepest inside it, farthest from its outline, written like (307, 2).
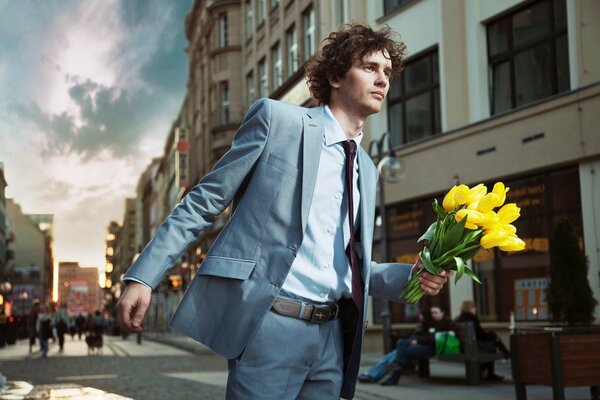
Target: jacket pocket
(225, 267)
(282, 165)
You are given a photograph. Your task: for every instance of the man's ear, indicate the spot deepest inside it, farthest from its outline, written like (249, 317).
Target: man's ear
(333, 82)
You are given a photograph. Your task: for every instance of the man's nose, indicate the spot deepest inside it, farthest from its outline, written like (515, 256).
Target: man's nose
(382, 80)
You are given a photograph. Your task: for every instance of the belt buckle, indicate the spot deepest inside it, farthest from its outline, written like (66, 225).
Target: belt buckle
(322, 314)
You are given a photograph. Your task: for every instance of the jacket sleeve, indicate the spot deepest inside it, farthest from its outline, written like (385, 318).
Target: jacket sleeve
(387, 280)
(206, 200)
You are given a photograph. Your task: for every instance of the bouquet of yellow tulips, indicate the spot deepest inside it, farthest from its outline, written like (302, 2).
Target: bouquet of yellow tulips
(466, 224)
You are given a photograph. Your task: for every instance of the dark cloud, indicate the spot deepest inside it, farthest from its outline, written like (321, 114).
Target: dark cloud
(108, 119)
(166, 69)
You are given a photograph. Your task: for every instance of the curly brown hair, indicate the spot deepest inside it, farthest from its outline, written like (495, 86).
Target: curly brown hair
(341, 48)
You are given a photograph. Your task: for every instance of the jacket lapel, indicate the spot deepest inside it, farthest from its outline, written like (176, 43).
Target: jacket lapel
(311, 154)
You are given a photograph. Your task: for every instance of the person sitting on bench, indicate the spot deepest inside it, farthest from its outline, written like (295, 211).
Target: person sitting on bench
(487, 341)
(421, 344)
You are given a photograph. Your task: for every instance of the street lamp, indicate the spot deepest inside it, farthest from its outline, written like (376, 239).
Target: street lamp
(392, 170)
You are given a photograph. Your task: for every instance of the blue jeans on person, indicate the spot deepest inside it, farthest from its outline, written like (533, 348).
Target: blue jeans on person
(44, 344)
(378, 371)
(406, 351)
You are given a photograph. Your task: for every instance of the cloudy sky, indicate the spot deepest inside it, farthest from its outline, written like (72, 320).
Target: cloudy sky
(88, 91)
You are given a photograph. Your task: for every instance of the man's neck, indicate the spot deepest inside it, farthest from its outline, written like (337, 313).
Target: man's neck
(351, 124)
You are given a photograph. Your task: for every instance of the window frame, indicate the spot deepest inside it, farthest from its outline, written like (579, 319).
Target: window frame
(401, 139)
(309, 31)
(512, 51)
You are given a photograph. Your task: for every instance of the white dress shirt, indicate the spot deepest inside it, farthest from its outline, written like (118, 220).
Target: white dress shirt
(321, 271)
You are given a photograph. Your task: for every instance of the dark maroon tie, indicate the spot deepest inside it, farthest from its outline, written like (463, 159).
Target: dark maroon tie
(357, 282)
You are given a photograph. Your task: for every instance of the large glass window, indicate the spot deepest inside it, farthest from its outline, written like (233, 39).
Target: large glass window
(260, 11)
(528, 55)
(263, 90)
(308, 18)
(250, 91)
(225, 105)
(511, 281)
(516, 282)
(414, 101)
(277, 66)
(292, 51)
(223, 30)
(249, 19)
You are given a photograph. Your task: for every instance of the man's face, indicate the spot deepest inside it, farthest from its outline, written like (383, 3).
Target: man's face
(363, 89)
(437, 314)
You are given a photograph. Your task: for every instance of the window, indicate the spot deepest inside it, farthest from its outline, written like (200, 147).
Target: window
(224, 91)
(308, 19)
(414, 100)
(249, 19)
(393, 5)
(277, 66)
(528, 55)
(274, 3)
(292, 51)
(260, 11)
(263, 90)
(515, 282)
(223, 30)
(250, 91)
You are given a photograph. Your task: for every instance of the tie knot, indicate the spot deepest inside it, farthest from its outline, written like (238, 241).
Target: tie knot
(349, 148)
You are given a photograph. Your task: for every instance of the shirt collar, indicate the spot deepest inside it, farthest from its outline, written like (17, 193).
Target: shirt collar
(333, 130)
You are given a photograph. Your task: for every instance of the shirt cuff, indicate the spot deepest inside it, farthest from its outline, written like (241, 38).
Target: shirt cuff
(131, 279)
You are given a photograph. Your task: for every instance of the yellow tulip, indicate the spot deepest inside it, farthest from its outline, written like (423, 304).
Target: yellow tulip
(488, 202)
(512, 243)
(500, 191)
(476, 193)
(449, 202)
(510, 229)
(508, 213)
(461, 195)
(493, 238)
(474, 218)
(490, 220)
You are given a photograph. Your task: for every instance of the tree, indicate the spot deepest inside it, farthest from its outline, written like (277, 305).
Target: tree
(569, 293)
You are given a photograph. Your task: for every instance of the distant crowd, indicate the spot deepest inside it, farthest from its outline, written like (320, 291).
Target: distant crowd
(51, 322)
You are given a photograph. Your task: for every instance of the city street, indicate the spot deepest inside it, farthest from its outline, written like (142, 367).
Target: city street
(153, 370)
(123, 370)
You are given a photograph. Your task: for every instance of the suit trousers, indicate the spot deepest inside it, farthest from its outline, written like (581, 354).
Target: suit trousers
(289, 358)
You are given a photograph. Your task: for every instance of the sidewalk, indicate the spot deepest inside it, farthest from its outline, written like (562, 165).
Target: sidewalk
(447, 380)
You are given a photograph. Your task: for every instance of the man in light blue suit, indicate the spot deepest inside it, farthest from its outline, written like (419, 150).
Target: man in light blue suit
(283, 289)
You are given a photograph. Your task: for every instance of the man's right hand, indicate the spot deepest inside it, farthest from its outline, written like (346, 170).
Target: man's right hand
(132, 306)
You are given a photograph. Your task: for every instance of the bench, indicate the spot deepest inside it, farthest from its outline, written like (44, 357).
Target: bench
(471, 356)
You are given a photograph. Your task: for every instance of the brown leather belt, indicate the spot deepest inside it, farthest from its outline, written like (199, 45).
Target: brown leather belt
(314, 313)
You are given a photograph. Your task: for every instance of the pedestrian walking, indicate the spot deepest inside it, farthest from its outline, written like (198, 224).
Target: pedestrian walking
(282, 293)
(61, 322)
(32, 317)
(44, 327)
(80, 322)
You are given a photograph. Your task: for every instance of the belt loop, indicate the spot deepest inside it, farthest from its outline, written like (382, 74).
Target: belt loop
(302, 308)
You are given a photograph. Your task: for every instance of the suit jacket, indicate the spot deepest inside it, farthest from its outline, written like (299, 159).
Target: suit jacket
(269, 173)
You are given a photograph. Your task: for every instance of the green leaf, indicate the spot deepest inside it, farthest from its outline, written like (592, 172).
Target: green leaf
(460, 268)
(430, 234)
(439, 210)
(472, 275)
(426, 258)
(453, 235)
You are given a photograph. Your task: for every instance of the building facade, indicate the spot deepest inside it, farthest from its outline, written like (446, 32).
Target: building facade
(496, 91)
(78, 288)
